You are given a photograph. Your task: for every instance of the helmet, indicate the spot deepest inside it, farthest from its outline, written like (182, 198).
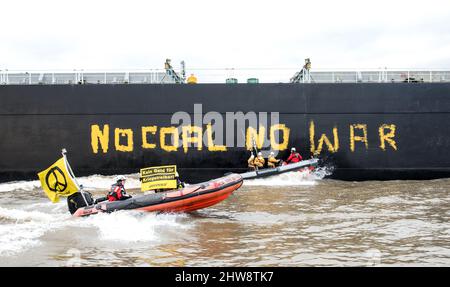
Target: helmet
(259, 153)
(176, 174)
(293, 149)
(120, 178)
(272, 153)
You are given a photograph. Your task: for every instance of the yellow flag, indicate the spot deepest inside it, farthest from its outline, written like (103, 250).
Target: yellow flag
(57, 181)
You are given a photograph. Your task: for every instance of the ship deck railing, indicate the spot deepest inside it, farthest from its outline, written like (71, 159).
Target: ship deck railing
(84, 77)
(263, 75)
(380, 76)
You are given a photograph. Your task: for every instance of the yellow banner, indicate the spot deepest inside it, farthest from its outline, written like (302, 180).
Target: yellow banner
(56, 181)
(158, 177)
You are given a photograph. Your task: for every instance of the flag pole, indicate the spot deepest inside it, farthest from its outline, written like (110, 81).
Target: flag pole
(69, 168)
(256, 150)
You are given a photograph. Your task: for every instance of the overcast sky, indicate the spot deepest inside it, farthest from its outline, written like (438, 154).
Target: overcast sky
(133, 34)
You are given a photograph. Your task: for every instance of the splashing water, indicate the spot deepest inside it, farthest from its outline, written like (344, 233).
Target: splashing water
(328, 223)
(20, 185)
(294, 219)
(134, 226)
(92, 182)
(23, 229)
(294, 178)
(30, 217)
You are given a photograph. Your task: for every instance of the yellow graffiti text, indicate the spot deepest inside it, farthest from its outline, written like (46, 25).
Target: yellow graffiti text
(172, 139)
(211, 145)
(387, 137)
(99, 136)
(323, 139)
(254, 136)
(123, 133)
(273, 143)
(354, 138)
(188, 138)
(173, 131)
(145, 130)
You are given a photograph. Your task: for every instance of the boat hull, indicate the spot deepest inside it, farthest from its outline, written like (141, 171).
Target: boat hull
(280, 170)
(188, 199)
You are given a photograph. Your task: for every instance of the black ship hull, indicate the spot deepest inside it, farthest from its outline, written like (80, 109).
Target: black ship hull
(366, 131)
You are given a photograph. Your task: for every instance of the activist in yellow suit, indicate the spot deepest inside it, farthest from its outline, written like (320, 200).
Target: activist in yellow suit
(259, 161)
(251, 162)
(272, 161)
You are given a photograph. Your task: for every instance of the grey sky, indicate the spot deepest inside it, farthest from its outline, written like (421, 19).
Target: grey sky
(224, 34)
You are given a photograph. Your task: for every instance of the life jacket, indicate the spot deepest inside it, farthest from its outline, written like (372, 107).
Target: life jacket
(251, 162)
(259, 161)
(116, 193)
(271, 161)
(294, 157)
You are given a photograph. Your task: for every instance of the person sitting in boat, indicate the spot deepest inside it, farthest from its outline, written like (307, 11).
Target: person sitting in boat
(259, 161)
(251, 162)
(294, 157)
(272, 162)
(117, 191)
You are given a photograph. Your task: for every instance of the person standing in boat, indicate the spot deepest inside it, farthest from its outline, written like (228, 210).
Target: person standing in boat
(294, 157)
(251, 162)
(272, 162)
(180, 184)
(259, 161)
(117, 191)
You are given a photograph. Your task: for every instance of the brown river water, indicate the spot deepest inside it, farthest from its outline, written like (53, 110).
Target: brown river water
(289, 220)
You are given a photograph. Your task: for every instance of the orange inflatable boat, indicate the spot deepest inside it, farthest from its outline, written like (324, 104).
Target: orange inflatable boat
(188, 199)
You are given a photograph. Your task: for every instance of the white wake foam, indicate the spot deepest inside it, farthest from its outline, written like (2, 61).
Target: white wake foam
(294, 178)
(92, 182)
(20, 185)
(22, 228)
(133, 226)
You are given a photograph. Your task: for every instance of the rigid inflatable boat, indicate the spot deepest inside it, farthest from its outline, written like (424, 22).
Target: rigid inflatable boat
(310, 163)
(187, 199)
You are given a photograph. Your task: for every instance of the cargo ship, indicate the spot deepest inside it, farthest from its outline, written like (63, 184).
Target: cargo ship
(367, 125)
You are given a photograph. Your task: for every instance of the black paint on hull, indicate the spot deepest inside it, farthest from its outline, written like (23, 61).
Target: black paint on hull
(37, 121)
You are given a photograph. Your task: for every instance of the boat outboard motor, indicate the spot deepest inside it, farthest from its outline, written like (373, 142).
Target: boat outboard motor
(76, 200)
